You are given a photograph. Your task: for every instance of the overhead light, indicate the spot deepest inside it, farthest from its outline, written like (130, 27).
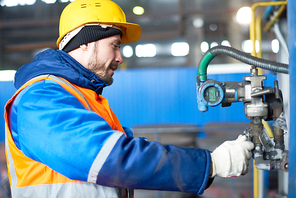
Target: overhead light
(65, 1)
(225, 43)
(138, 10)
(147, 50)
(213, 27)
(214, 44)
(275, 46)
(244, 16)
(49, 1)
(27, 2)
(13, 3)
(247, 46)
(7, 75)
(127, 51)
(9, 3)
(198, 22)
(180, 49)
(204, 46)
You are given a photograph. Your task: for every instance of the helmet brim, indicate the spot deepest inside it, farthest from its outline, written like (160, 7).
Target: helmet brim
(132, 32)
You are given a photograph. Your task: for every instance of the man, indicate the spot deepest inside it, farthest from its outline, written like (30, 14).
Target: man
(63, 140)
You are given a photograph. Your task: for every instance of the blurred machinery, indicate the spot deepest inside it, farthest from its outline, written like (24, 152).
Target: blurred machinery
(261, 103)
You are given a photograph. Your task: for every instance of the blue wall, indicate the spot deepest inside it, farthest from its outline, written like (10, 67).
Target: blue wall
(6, 91)
(157, 96)
(167, 96)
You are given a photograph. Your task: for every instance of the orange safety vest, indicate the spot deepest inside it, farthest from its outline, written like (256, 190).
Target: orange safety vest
(29, 178)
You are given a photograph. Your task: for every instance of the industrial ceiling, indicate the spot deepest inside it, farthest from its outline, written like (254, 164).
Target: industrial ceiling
(27, 29)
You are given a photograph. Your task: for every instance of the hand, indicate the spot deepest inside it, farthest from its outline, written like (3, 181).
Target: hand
(231, 159)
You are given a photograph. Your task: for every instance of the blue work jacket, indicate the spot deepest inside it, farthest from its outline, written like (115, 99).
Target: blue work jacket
(50, 125)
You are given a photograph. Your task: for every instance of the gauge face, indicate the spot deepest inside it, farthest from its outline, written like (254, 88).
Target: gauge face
(212, 94)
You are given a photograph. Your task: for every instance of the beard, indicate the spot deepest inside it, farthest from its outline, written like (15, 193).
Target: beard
(98, 68)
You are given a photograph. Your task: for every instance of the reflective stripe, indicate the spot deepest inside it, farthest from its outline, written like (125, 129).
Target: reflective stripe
(59, 187)
(10, 163)
(64, 190)
(65, 82)
(102, 156)
(70, 85)
(69, 190)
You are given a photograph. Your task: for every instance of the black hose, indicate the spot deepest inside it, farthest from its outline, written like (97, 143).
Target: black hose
(249, 59)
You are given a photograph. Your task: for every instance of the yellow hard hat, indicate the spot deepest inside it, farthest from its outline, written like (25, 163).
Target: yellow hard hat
(82, 12)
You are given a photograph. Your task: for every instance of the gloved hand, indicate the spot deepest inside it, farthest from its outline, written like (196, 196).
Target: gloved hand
(231, 159)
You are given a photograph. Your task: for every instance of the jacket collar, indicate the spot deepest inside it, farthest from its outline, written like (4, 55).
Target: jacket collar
(61, 64)
(97, 83)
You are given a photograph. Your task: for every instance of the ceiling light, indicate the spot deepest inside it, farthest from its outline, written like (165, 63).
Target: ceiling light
(275, 46)
(127, 51)
(244, 16)
(204, 46)
(214, 44)
(13, 3)
(49, 1)
(147, 50)
(138, 10)
(65, 1)
(27, 2)
(225, 43)
(9, 3)
(247, 46)
(198, 22)
(213, 27)
(180, 49)
(7, 75)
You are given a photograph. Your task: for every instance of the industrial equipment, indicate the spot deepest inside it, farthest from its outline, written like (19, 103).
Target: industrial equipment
(261, 104)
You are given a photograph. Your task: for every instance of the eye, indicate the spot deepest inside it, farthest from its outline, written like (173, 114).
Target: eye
(116, 46)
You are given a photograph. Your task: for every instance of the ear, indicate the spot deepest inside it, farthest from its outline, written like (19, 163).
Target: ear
(81, 54)
(85, 47)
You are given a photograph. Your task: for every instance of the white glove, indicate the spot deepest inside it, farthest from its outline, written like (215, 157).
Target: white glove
(231, 159)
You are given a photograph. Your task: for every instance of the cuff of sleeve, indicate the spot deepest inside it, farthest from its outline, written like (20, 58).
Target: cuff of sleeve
(207, 180)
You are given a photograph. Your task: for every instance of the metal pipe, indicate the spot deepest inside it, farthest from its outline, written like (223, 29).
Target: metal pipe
(241, 56)
(274, 18)
(253, 35)
(252, 25)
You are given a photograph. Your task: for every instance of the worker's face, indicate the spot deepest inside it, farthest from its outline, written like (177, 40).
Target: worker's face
(105, 58)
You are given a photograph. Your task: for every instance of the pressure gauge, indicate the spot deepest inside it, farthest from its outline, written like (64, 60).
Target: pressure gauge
(209, 93)
(212, 94)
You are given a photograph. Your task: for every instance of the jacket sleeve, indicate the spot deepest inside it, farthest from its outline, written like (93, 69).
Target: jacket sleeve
(51, 126)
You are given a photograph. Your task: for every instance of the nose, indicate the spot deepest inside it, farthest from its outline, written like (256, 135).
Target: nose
(118, 57)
